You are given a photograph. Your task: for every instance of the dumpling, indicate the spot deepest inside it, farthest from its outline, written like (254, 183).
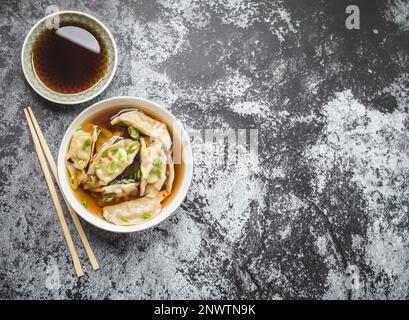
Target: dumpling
(76, 176)
(111, 162)
(79, 154)
(145, 124)
(80, 150)
(134, 211)
(119, 192)
(105, 146)
(153, 189)
(153, 166)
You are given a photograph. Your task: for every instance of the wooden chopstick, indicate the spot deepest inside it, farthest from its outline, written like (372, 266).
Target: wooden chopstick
(54, 196)
(74, 217)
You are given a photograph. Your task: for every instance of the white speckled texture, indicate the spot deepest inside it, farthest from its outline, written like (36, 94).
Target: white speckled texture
(330, 187)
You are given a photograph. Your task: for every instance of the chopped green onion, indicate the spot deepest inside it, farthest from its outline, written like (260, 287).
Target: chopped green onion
(133, 133)
(86, 144)
(132, 148)
(80, 161)
(125, 181)
(98, 132)
(97, 166)
(157, 164)
(114, 150)
(120, 156)
(73, 183)
(112, 166)
(104, 154)
(125, 219)
(79, 128)
(91, 179)
(85, 203)
(108, 198)
(147, 215)
(137, 175)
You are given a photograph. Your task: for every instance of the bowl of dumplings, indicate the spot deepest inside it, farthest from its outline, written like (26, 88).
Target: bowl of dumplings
(125, 164)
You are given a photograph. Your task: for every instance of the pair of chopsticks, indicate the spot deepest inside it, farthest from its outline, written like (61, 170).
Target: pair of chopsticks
(42, 148)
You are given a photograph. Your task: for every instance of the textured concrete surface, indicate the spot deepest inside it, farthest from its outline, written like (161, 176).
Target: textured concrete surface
(329, 193)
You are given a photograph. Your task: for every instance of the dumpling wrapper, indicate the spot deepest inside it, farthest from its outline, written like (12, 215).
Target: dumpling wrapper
(76, 176)
(132, 212)
(106, 169)
(79, 155)
(153, 167)
(145, 124)
(153, 189)
(120, 192)
(79, 151)
(105, 146)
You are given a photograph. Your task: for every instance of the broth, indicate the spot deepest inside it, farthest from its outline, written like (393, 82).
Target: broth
(102, 119)
(70, 59)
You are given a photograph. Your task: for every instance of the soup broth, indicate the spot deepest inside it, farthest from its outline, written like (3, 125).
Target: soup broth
(102, 120)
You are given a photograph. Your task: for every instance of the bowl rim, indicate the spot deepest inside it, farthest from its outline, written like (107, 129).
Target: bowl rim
(187, 155)
(109, 79)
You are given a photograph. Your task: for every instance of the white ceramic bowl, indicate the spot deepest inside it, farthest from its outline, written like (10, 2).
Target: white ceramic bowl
(179, 136)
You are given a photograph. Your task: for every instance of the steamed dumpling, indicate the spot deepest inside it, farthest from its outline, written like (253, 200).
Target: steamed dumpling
(111, 162)
(105, 146)
(80, 150)
(76, 176)
(117, 192)
(145, 124)
(79, 155)
(153, 189)
(153, 167)
(134, 211)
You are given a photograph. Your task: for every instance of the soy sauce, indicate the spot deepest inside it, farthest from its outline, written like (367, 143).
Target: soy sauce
(70, 59)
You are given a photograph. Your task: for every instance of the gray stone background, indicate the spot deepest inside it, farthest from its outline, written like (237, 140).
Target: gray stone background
(329, 190)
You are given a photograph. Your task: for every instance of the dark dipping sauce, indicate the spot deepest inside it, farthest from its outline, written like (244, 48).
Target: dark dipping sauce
(70, 59)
